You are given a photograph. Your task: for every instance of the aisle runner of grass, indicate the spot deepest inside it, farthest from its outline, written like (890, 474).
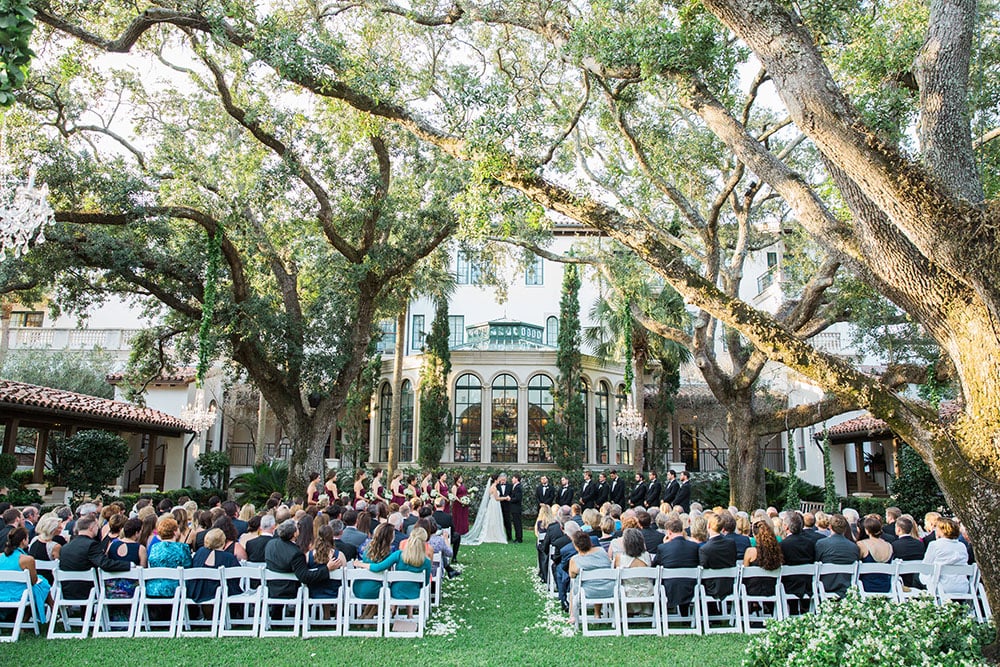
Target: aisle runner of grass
(494, 614)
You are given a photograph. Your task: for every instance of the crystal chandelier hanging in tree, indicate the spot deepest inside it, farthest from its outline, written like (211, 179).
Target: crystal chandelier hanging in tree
(197, 416)
(629, 423)
(24, 209)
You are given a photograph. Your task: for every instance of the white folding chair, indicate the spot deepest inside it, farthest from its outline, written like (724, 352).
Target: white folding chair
(149, 626)
(277, 621)
(609, 615)
(49, 567)
(966, 592)
(323, 617)
(24, 606)
(356, 622)
(729, 605)
(916, 568)
(826, 569)
(809, 600)
(396, 624)
(437, 578)
(638, 603)
(551, 565)
(62, 607)
(773, 598)
(200, 624)
(984, 601)
(886, 569)
(679, 623)
(104, 626)
(249, 582)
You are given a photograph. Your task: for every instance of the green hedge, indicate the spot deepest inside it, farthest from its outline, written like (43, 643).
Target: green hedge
(866, 506)
(711, 489)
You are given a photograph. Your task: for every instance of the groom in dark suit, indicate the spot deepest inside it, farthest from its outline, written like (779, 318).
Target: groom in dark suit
(516, 495)
(503, 494)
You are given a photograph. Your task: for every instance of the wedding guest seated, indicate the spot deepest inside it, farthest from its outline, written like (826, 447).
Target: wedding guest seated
(716, 553)
(255, 548)
(283, 555)
(588, 557)
(323, 551)
(253, 531)
(14, 557)
(946, 549)
(651, 535)
(930, 523)
(873, 549)
(677, 552)
(306, 534)
(576, 514)
(168, 552)
(232, 510)
(204, 521)
(766, 554)
(82, 554)
(797, 549)
(396, 521)
(908, 547)
(44, 546)
(607, 532)
(211, 555)
(225, 524)
(412, 558)
(634, 554)
(823, 525)
(840, 550)
(352, 535)
(409, 517)
(699, 529)
(377, 550)
(617, 545)
(591, 521)
(563, 556)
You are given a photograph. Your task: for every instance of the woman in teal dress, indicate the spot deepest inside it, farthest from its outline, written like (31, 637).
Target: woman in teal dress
(412, 558)
(15, 557)
(168, 552)
(379, 548)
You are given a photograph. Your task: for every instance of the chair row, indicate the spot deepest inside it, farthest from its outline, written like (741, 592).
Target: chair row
(246, 601)
(656, 600)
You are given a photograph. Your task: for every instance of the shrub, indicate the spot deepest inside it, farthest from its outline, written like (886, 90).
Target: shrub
(92, 460)
(213, 468)
(860, 633)
(866, 506)
(258, 484)
(712, 489)
(19, 497)
(8, 464)
(915, 491)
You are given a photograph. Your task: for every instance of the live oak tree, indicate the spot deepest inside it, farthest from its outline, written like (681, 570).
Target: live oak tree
(918, 221)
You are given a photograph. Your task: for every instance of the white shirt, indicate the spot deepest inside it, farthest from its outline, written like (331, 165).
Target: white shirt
(943, 551)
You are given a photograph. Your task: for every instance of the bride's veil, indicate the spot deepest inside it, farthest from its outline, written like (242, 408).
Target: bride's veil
(476, 532)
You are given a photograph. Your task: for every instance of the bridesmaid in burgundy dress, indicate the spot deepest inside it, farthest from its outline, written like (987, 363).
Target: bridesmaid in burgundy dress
(396, 488)
(460, 512)
(442, 489)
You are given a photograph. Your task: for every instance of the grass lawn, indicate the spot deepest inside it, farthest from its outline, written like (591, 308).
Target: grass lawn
(491, 615)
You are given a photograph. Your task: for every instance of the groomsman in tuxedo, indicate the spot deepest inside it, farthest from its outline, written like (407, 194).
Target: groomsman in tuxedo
(683, 497)
(670, 491)
(638, 496)
(588, 492)
(545, 493)
(616, 489)
(516, 496)
(564, 496)
(602, 491)
(653, 491)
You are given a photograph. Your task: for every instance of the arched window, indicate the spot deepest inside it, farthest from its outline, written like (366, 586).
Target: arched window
(540, 406)
(624, 447)
(469, 421)
(406, 422)
(585, 398)
(602, 409)
(552, 331)
(503, 427)
(385, 419)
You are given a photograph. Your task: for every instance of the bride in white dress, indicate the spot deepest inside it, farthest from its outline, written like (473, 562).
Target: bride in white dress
(488, 526)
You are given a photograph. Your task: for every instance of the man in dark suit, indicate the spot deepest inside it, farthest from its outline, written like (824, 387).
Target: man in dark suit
(516, 508)
(839, 550)
(552, 535)
(728, 526)
(809, 529)
(588, 492)
(233, 511)
(503, 495)
(638, 496)
(797, 549)
(12, 519)
(653, 491)
(670, 490)
(349, 550)
(564, 496)
(444, 520)
(545, 494)
(683, 497)
(677, 552)
(650, 535)
(889, 528)
(616, 489)
(255, 547)
(718, 553)
(602, 491)
(283, 555)
(82, 554)
(907, 547)
(351, 534)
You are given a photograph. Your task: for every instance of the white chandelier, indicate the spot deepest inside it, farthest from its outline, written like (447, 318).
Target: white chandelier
(24, 211)
(629, 424)
(197, 416)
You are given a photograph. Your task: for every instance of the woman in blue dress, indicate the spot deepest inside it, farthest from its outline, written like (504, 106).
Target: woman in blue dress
(14, 558)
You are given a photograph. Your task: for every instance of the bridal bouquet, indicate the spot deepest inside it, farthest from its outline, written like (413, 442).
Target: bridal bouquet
(408, 492)
(434, 493)
(370, 496)
(465, 500)
(424, 497)
(452, 497)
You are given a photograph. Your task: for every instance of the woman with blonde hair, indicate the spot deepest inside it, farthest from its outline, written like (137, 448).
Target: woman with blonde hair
(411, 558)
(247, 511)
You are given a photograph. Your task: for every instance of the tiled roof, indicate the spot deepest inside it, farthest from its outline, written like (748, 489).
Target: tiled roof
(91, 407)
(870, 425)
(182, 375)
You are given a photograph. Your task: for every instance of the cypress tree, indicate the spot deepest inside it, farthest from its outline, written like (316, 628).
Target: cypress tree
(435, 420)
(566, 430)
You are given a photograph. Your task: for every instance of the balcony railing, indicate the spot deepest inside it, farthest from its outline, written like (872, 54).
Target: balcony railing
(40, 338)
(768, 278)
(715, 460)
(828, 341)
(243, 454)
